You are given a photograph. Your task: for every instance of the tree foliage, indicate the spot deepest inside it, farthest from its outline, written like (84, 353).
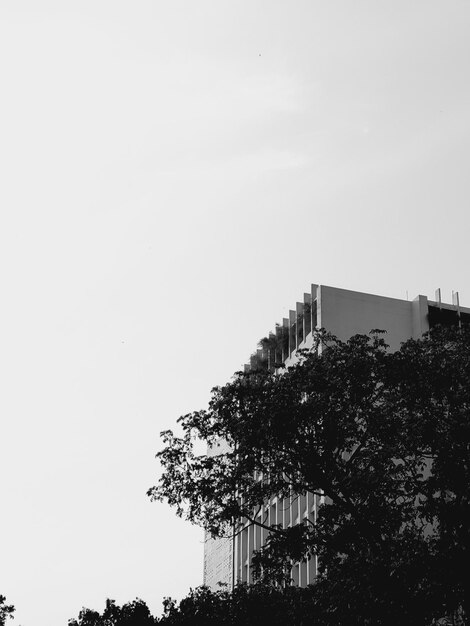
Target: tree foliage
(6, 610)
(134, 613)
(384, 436)
(245, 606)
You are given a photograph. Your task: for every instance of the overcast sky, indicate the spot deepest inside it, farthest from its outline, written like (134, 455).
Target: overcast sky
(174, 175)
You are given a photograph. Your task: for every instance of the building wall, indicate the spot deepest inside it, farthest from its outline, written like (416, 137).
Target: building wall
(218, 562)
(346, 313)
(284, 512)
(218, 551)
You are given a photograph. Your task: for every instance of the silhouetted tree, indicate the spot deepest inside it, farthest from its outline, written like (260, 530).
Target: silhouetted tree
(134, 613)
(245, 606)
(6, 610)
(384, 436)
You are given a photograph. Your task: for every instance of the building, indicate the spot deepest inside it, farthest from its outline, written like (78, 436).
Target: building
(343, 313)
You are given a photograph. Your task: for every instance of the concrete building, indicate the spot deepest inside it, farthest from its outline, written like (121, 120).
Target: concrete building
(344, 313)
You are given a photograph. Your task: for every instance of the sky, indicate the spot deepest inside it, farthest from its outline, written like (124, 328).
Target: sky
(173, 177)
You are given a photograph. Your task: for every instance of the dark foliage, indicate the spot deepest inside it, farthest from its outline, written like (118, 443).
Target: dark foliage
(384, 436)
(6, 610)
(134, 613)
(245, 606)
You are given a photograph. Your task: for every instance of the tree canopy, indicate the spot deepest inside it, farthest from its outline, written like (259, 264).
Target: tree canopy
(6, 610)
(384, 436)
(245, 606)
(134, 613)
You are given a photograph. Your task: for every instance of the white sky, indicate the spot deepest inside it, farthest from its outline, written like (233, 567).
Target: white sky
(174, 175)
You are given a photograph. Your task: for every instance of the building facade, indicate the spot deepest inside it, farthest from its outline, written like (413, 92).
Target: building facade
(344, 313)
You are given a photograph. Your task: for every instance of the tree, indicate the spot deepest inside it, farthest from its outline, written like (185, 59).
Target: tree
(134, 613)
(246, 606)
(6, 610)
(384, 436)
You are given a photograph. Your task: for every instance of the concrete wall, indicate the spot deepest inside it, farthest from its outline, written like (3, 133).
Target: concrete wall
(218, 562)
(345, 313)
(218, 552)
